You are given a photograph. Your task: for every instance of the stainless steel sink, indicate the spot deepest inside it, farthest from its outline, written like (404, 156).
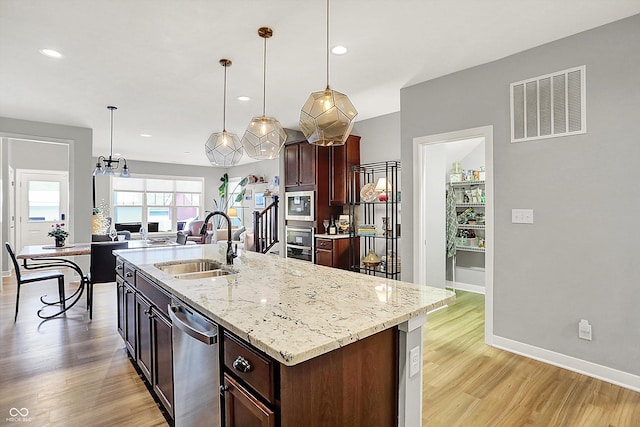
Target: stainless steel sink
(203, 274)
(188, 266)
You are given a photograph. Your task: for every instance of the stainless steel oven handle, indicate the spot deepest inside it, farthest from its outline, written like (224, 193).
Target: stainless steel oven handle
(299, 246)
(304, 229)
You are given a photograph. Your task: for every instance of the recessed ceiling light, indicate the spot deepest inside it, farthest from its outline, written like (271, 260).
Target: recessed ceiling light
(243, 98)
(145, 135)
(186, 152)
(50, 52)
(117, 154)
(339, 50)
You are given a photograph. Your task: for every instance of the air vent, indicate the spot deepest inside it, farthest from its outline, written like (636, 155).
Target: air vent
(549, 106)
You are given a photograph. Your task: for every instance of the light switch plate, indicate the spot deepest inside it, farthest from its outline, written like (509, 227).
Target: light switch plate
(522, 216)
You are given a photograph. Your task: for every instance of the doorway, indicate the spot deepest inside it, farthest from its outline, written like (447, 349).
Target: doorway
(42, 201)
(430, 170)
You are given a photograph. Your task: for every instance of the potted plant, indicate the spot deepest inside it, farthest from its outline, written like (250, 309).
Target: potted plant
(58, 233)
(223, 190)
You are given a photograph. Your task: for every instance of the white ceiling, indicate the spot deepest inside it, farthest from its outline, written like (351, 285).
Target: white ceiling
(157, 60)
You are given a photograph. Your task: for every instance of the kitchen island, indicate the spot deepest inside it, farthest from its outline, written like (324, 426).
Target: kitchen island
(346, 348)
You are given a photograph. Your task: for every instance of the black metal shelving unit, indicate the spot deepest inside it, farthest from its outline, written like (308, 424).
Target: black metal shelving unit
(372, 212)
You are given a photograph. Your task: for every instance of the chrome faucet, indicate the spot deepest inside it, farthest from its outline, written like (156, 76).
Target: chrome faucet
(230, 252)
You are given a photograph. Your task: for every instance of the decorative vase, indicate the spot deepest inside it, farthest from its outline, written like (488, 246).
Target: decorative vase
(371, 260)
(59, 242)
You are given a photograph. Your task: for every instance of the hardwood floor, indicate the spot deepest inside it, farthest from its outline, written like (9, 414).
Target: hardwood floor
(72, 372)
(68, 371)
(467, 383)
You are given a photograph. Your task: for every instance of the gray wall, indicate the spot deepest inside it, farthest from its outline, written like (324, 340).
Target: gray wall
(50, 156)
(80, 168)
(380, 138)
(578, 260)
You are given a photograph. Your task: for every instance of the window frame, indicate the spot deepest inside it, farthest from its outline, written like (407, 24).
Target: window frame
(145, 206)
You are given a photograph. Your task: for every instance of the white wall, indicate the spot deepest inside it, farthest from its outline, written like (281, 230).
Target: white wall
(577, 261)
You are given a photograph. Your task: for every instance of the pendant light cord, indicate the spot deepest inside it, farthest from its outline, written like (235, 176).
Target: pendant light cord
(224, 105)
(264, 79)
(111, 143)
(327, 43)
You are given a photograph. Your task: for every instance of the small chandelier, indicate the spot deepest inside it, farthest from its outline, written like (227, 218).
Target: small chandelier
(327, 117)
(107, 166)
(264, 136)
(223, 148)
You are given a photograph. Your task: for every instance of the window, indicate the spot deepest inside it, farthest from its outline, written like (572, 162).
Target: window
(44, 201)
(157, 203)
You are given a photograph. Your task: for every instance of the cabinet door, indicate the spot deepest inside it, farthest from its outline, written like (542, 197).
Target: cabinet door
(242, 409)
(120, 305)
(307, 163)
(143, 336)
(130, 319)
(291, 165)
(343, 157)
(162, 360)
(324, 257)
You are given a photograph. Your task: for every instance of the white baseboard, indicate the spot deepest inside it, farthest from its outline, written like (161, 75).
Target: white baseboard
(459, 286)
(604, 373)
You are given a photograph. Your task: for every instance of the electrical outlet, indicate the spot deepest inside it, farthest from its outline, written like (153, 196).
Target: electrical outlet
(584, 330)
(414, 361)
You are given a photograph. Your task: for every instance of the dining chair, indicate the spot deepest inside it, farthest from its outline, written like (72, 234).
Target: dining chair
(25, 278)
(103, 267)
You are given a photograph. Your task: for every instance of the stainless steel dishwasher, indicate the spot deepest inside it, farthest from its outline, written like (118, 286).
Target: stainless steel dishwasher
(196, 371)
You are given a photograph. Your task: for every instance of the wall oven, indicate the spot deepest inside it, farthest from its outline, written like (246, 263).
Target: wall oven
(300, 243)
(300, 205)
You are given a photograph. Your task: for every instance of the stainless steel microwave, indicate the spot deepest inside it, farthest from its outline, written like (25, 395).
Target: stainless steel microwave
(300, 205)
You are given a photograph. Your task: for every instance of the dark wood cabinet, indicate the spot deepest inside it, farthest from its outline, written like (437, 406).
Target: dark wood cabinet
(307, 168)
(343, 157)
(307, 153)
(242, 409)
(145, 327)
(144, 346)
(333, 252)
(162, 359)
(129, 303)
(120, 305)
(300, 165)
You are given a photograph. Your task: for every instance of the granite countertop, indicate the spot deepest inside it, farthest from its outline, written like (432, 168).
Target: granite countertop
(290, 309)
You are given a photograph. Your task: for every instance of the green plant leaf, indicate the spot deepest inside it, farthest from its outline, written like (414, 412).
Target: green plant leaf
(240, 195)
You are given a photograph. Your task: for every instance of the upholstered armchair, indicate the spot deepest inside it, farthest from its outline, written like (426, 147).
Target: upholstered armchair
(193, 232)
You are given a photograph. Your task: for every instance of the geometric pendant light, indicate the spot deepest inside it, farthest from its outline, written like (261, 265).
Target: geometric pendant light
(264, 136)
(223, 148)
(328, 116)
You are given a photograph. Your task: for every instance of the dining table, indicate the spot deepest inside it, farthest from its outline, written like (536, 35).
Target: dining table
(44, 256)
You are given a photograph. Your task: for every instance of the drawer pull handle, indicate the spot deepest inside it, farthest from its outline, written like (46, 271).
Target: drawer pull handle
(223, 389)
(119, 267)
(128, 274)
(242, 365)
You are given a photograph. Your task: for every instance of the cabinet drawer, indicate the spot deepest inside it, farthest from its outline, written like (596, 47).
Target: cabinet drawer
(324, 244)
(157, 296)
(260, 370)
